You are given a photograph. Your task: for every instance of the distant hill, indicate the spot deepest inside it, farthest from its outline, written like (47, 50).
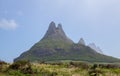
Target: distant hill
(55, 46)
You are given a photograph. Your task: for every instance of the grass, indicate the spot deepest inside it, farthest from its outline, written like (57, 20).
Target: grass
(3, 74)
(58, 69)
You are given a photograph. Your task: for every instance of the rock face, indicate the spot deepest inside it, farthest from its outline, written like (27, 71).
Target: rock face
(94, 47)
(55, 46)
(82, 42)
(51, 30)
(54, 32)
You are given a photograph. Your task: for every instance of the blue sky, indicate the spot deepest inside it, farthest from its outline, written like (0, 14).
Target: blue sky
(24, 22)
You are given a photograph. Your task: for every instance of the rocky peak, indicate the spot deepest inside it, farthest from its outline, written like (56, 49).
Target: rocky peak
(59, 29)
(60, 26)
(94, 47)
(82, 42)
(56, 33)
(52, 27)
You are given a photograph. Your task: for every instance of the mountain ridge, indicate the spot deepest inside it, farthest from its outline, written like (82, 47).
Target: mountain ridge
(55, 45)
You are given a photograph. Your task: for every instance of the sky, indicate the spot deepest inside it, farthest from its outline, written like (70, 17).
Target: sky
(24, 22)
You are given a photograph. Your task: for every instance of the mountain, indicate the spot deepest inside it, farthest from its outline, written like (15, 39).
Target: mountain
(56, 33)
(55, 46)
(94, 47)
(82, 42)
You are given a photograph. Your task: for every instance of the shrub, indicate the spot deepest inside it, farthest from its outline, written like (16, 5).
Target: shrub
(48, 73)
(95, 71)
(80, 65)
(23, 66)
(2, 66)
(109, 66)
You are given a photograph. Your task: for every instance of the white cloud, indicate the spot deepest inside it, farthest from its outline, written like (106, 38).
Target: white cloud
(8, 24)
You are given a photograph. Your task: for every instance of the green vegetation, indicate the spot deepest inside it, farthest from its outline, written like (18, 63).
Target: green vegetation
(56, 46)
(55, 50)
(72, 68)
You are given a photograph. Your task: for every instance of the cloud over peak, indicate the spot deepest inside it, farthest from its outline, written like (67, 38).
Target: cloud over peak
(8, 24)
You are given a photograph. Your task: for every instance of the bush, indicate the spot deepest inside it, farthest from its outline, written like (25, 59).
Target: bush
(2, 66)
(80, 65)
(109, 66)
(48, 73)
(23, 66)
(95, 71)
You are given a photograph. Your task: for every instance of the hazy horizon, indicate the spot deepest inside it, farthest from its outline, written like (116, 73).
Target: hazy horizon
(24, 22)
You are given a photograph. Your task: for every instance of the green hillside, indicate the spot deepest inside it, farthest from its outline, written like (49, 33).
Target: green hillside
(55, 46)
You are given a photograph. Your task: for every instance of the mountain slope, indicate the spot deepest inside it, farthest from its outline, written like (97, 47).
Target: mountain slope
(55, 45)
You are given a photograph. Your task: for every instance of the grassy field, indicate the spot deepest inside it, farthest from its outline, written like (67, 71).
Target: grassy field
(25, 68)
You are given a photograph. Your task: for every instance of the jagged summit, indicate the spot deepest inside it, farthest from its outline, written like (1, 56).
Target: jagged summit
(94, 47)
(60, 26)
(82, 42)
(51, 29)
(56, 33)
(52, 25)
